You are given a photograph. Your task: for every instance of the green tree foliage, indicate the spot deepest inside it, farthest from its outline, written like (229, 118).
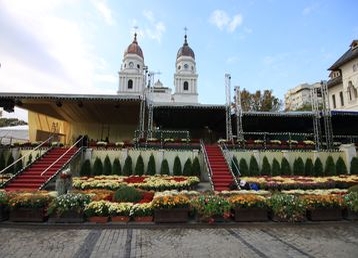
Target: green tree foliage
(309, 170)
(97, 167)
(318, 167)
(164, 167)
(116, 167)
(330, 167)
(86, 168)
(285, 167)
(195, 168)
(276, 168)
(254, 167)
(244, 168)
(266, 167)
(128, 166)
(354, 166)
(235, 166)
(139, 167)
(127, 193)
(10, 160)
(259, 101)
(19, 164)
(187, 167)
(2, 160)
(107, 166)
(299, 167)
(177, 170)
(151, 170)
(341, 168)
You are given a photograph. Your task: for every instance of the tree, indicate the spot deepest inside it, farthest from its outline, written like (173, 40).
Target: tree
(309, 170)
(10, 160)
(164, 168)
(127, 168)
(151, 166)
(341, 168)
(318, 167)
(235, 166)
(330, 167)
(116, 168)
(19, 164)
(107, 166)
(254, 167)
(354, 166)
(177, 171)
(244, 168)
(86, 168)
(285, 167)
(259, 101)
(276, 169)
(195, 168)
(187, 167)
(139, 167)
(2, 161)
(97, 167)
(266, 167)
(299, 167)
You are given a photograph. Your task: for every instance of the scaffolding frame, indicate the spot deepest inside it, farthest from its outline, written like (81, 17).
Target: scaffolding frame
(229, 136)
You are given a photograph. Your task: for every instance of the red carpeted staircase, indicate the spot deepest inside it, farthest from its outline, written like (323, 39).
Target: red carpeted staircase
(31, 179)
(221, 175)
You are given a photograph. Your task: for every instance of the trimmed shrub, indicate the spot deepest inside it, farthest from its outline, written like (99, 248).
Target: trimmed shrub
(299, 167)
(29, 161)
(86, 168)
(128, 166)
(2, 161)
(341, 168)
(151, 166)
(187, 167)
(97, 167)
(254, 167)
(10, 160)
(127, 193)
(235, 166)
(19, 164)
(318, 167)
(276, 168)
(285, 167)
(266, 167)
(330, 167)
(177, 171)
(309, 170)
(353, 188)
(116, 167)
(107, 166)
(139, 166)
(195, 168)
(164, 167)
(354, 166)
(244, 168)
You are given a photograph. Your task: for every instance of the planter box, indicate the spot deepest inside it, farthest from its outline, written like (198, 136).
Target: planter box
(143, 219)
(98, 219)
(322, 214)
(171, 215)
(350, 215)
(4, 212)
(67, 217)
(122, 219)
(251, 214)
(28, 215)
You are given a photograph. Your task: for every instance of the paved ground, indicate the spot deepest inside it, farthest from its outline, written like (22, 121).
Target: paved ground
(267, 239)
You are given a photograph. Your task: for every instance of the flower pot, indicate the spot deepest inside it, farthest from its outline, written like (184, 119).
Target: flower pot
(322, 214)
(67, 217)
(171, 215)
(98, 219)
(143, 218)
(24, 214)
(350, 215)
(250, 214)
(4, 212)
(120, 219)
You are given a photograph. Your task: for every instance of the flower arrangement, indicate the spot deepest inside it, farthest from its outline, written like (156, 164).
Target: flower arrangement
(275, 141)
(287, 207)
(248, 201)
(351, 201)
(258, 141)
(169, 201)
(308, 142)
(142, 210)
(68, 202)
(209, 205)
(97, 208)
(37, 199)
(120, 209)
(292, 142)
(323, 201)
(4, 198)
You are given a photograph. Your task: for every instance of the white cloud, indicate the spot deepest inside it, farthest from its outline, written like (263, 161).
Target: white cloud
(103, 9)
(310, 9)
(224, 22)
(154, 29)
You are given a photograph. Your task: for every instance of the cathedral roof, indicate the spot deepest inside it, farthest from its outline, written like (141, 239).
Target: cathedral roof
(185, 50)
(134, 48)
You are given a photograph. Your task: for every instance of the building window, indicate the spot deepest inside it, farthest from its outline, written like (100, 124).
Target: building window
(341, 97)
(354, 67)
(186, 86)
(352, 92)
(334, 101)
(130, 84)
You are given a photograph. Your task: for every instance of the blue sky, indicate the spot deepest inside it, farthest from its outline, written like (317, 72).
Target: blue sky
(77, 46)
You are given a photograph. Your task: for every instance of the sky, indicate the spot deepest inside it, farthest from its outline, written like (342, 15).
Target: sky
(77, 46)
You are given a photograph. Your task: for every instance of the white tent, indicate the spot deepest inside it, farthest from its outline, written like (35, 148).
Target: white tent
(12, 134)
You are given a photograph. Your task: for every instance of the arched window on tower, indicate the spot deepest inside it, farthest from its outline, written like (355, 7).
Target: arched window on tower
(186, 86)
(130, 84)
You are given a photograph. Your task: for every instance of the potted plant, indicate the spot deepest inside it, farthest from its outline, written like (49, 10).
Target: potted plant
(211, 208)
(351, 206)
(97, 211)
(171, 208)
(68, 207)
(249, 207)
(120, 212)
(4, 208)
(324, 206)
(286, 207)
(142, 212)
(29, 206)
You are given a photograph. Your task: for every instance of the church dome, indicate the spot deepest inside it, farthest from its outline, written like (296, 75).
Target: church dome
(185, 50)
(134, 48)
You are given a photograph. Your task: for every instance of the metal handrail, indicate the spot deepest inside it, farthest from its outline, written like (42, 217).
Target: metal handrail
(207, 164)
(229, 159)
(62, 156)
